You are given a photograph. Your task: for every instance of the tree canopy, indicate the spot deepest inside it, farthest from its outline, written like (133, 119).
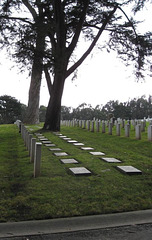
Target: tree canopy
(44, 34)
(10, 109)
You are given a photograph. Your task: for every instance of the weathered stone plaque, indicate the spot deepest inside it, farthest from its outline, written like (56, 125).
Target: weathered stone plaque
(70, 160)
(50, 145)
(78, 144)
(79, 171)
(60, 154)
(87, 148)
(58, 134)
(111, 160)
(38, 134)
(129, 170)
(46, 142)
(41, 136)
(97, 153)
(55, 149)
(43, 139)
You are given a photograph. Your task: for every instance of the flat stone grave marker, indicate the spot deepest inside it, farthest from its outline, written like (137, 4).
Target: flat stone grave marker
(46, 142)
(130, 170)
(62, 136)
(87, 148)
(50, 145)
(72, 141)
(58, 134)
(97, 153)
(66, 138)
(38, 134)
(61, 154)
(80, 171)
(111, 160)
(41, 136)
(70, 160)
(55, 149)
(78, 144)
(43, 139)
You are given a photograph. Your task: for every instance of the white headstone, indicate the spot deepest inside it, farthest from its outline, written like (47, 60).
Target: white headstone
(37, 159)
(138, 131)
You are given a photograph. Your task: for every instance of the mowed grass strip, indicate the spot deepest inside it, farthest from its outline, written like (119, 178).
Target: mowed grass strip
(57, 193)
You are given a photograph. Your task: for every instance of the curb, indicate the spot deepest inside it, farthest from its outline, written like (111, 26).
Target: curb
(61, 225)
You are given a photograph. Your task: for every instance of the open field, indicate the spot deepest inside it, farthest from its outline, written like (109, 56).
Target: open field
(57, 193)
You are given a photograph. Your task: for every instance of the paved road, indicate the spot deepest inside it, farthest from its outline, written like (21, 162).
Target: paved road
(136, 225)
(133, 232)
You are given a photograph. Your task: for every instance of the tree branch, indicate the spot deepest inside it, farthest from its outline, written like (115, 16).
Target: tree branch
(60, 23)
(16, 18)
(74, 41)
(48, 80)
(80, 61)
(30, 8)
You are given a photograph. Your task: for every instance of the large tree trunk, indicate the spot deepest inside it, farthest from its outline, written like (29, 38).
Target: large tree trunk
(32, 115)
(53, 114)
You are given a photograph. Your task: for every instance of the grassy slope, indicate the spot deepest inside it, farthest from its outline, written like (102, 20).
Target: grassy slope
(57, 193)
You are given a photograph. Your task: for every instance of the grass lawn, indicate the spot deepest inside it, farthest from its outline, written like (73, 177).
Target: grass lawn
(57, 193)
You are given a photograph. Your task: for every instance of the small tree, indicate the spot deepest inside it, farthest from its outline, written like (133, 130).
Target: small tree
(10, 109)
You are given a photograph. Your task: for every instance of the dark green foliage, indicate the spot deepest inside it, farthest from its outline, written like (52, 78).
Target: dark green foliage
(20, 30)
(10, 109)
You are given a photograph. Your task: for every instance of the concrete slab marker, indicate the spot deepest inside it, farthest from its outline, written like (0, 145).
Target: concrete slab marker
(70, 160)
(87, 148)
(46, 142)
(43, 139)
(50, 145)
(80, 171)
(58, 134)
(111, 160)
(60, 154)
(55, 149)
(62, 136)
(66, 138)
(38, 134)
(72, 141)
(41, 136)
(97, 153)
(130, 170)
(78, 144)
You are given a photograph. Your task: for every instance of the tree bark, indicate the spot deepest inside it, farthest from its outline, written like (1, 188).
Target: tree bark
(53, 114)
(32, 115)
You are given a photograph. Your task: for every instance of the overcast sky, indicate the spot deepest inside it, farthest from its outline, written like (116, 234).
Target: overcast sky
(101, 78)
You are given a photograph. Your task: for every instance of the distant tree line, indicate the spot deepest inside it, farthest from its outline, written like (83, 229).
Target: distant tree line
(138, 108)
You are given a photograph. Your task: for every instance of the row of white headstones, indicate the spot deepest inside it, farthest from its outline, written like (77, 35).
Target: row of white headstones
(33, 147)
(139, 126)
